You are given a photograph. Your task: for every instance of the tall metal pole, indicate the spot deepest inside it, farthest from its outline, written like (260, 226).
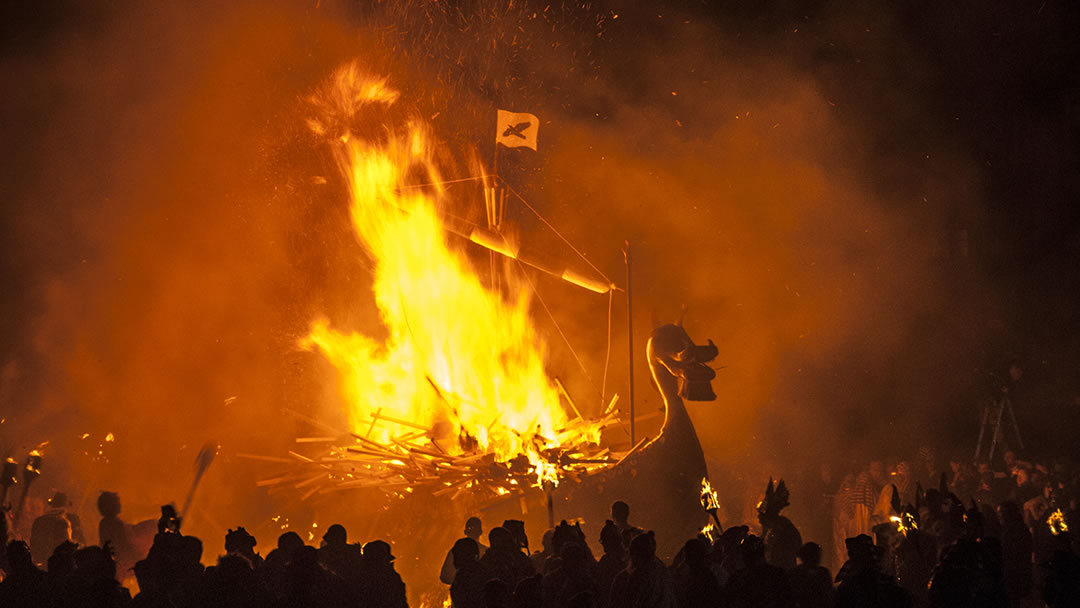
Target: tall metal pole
(630, 338)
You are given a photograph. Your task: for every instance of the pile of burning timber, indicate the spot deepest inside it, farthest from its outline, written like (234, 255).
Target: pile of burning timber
(419, 460)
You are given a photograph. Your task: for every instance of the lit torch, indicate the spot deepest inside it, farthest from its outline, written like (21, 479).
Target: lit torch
(31, 471)
(904, 523)
(8, 479)
(1057, 523)
(711, 502)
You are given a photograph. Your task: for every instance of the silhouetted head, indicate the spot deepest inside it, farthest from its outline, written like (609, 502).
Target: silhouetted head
(695, 552)
(501, 539)
(517, 529)
(59, 500)
(108, 504)
(378, 552)
(642, 549)
(809, 554)
(474, 528)
(546, 541)
(239, 541)
(465, 551)
(95, 563)
(289, 542)
(565, 533)
(610, 538)
(877, 471)
(336, 536)
(620, 512)
(18, 555)
(62, 561)
(752, 550)
(860, 549)
(192, 549)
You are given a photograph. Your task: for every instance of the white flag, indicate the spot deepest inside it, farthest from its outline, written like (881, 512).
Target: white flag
(516, 129)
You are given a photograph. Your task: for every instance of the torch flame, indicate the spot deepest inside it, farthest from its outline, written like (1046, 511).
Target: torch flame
(904, 523)
(460, 362)
(709, 499)
(1057, 523)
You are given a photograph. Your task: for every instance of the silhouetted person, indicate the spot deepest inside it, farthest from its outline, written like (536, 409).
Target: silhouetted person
(474, 529)
(169, 520)
(381, 585)
(93, 582)
(702, 588)
(50, 530)
(240, 542)
(25, 585)
(278, 560)
(505, 560)
(309, 584)
(811, 583)
(116, 532)
(965, 578)
(611, 563)
(758, 584)
(1016, 549)
(516, 528)
(782, 540)
(467, 590)
(620, 514)
(233, 583)
(573, 576)
(546, 552)
(861, 582)
(644, 583)
(335, 554)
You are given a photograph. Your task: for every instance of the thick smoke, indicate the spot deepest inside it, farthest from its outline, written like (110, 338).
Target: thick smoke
(172, 229)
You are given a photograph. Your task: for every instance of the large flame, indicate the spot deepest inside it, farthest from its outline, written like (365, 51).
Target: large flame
(461, 363)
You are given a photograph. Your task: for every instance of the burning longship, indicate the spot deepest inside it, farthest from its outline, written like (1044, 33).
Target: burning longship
(457, 399)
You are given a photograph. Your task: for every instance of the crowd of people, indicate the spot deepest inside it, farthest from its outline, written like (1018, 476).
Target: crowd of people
(905, 534)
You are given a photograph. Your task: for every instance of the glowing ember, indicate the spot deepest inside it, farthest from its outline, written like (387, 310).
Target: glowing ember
(462, 368)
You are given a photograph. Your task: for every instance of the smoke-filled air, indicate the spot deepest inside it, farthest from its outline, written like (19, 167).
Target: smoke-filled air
(266, 229)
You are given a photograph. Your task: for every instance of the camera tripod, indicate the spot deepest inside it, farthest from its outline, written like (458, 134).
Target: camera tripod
(993, 417)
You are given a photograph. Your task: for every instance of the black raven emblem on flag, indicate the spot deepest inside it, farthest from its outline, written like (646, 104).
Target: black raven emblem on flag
(517, 130)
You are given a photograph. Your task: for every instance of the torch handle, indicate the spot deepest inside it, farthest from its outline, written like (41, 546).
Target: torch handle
(22, 503)
(719, 528)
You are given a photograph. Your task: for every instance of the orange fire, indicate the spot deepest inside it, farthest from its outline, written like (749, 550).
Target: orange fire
(461, 364)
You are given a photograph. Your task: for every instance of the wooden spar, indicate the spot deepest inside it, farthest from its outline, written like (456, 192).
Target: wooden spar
(374, 419)
(566, 395)
(279, 459)
(378, 416)
(310, 420)
(632, 450)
